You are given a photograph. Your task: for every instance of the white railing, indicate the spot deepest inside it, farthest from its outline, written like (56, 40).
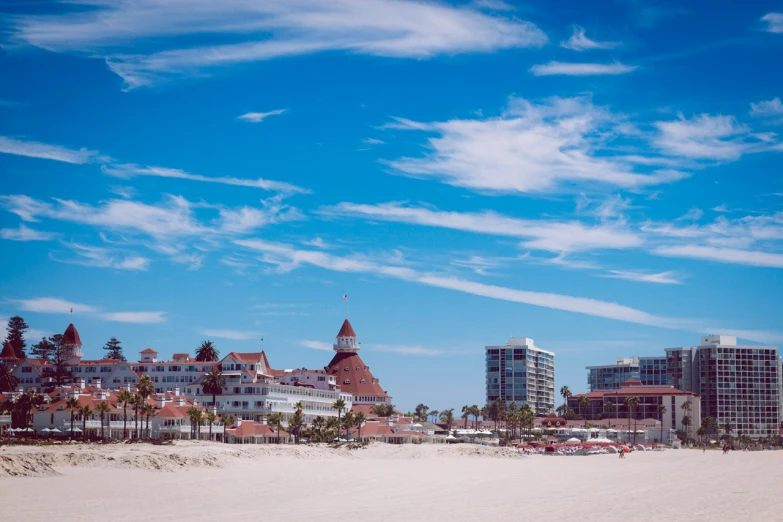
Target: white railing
(5, 419)
(96, 424)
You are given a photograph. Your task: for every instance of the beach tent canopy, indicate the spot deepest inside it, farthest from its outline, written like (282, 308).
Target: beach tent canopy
(573, 440)
(55, 430)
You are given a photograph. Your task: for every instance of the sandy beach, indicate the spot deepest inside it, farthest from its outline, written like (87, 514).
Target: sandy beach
(204, 481)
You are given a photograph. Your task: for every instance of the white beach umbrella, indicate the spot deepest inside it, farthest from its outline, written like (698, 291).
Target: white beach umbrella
(47, 430)
(573, 440)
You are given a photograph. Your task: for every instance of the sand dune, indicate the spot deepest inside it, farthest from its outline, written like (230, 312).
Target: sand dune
(203, 481)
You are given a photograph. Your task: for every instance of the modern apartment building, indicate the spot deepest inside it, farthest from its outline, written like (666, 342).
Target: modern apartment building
(650, 371)
(521, 372)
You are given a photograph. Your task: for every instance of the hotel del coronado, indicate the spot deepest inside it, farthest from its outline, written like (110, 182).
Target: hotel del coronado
(254, 390)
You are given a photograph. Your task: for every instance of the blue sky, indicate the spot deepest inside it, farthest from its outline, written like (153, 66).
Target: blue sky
(606, 180)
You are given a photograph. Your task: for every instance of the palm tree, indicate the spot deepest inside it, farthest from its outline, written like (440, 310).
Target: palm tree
(662, 412)
(339, 405)
(447, 416)
(125, 397)
(565, 393)
(145, 389)
(349, 420)
(214, 382)
(193, 413)
(686, 422)
(210, 418)
(102, 408)
(421, 411)
(85, 411)
(8, 381)
(227, 420)
(466, 414)
(276, 418)
(434, 414)
(700, 433)
(609, 405)
(727, 429)
(584, 403)
(686, 407)
(137, 402)
(148, 410)
(475, 411)
(72, 403)
(207, 352)
(358, 420)
(709, 424)
(631, 403)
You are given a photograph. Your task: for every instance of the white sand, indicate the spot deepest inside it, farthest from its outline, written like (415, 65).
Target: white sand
(203, 481)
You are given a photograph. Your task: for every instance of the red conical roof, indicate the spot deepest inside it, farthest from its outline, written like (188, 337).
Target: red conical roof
(353, 375)
(8, 352)
(346, 330)
(71, 336)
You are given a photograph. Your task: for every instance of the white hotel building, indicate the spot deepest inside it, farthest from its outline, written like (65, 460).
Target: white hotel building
(521, 372)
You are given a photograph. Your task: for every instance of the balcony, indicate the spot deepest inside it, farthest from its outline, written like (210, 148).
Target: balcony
(5, 419)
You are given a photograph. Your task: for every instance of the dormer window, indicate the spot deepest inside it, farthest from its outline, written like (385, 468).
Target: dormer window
(363, 381)
(347, 381)
(347, 368)
(358, 368)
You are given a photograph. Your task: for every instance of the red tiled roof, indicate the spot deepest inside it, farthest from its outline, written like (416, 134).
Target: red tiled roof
(346, 330)
(148, 350)
(633, 391)
(249, 429)
(71, 336)
(349, 366)
(8, 352)
(247, 357)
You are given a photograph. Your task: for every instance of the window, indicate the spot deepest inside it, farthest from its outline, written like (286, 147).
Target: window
(347, 381)
(347, 368)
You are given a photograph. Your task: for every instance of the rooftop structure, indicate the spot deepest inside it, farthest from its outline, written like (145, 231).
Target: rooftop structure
(650, 371)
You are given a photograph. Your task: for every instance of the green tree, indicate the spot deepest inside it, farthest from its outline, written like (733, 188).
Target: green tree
(476, 412)
(359, 419)
(421, 412)
(727, 429)
(214, 383)
(609, 406)
(686, 407)
(349, 420)
(662, 412)
(227, 421)
(686, 422)
(276, 419)
(700, 433)
(85, 411)
(210, 418)
(16, 328)
(8, 381)
(43, 350)
(466, 414)
(58, 374)
(138, 403)
(103, 408)
(584, 405)
(447, 416)
(709, 425)
(565, 392)
(207, 352)
(125, 398)
(631, 403)
(296, 421)
(434, 414)
(149, 410)
(114, 350)
(339, 405)
(194, 414)
(382, 410)
(72, 404)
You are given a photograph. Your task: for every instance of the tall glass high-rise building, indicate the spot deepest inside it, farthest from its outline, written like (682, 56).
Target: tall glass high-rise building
(650, 371)
(521, 372)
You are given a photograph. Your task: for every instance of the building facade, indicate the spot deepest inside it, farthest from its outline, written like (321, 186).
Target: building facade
(650, 371)
(521, 372)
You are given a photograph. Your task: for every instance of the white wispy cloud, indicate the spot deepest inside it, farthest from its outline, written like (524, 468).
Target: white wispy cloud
(257, 117)
(540, 147)
(549, 235)
(706, 137)
(580, 42)
(581, 69)
(135, 317)
(317, 242)
(480, 265)
(129, 170)
(234, 335)
(35, 149)
(53, 305)
(317, 345)
(768, 109)
(723, 255)
(102, 257)
(142, 40)
(24, 233)
(287, 258)
(404, 349)
(774, 22)
(373, 141)
(666, 278)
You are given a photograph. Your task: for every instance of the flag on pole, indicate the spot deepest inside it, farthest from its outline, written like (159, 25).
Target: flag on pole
(345, 297)
(72, 309)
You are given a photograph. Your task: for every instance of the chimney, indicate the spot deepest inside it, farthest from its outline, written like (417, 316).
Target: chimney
(80, 382)
(96, 382)
(263, 420)
(127, 386)
(176, 391)
(238, 421)
(160, 400)
(179, 401)
(73, 393)
(390, 421)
